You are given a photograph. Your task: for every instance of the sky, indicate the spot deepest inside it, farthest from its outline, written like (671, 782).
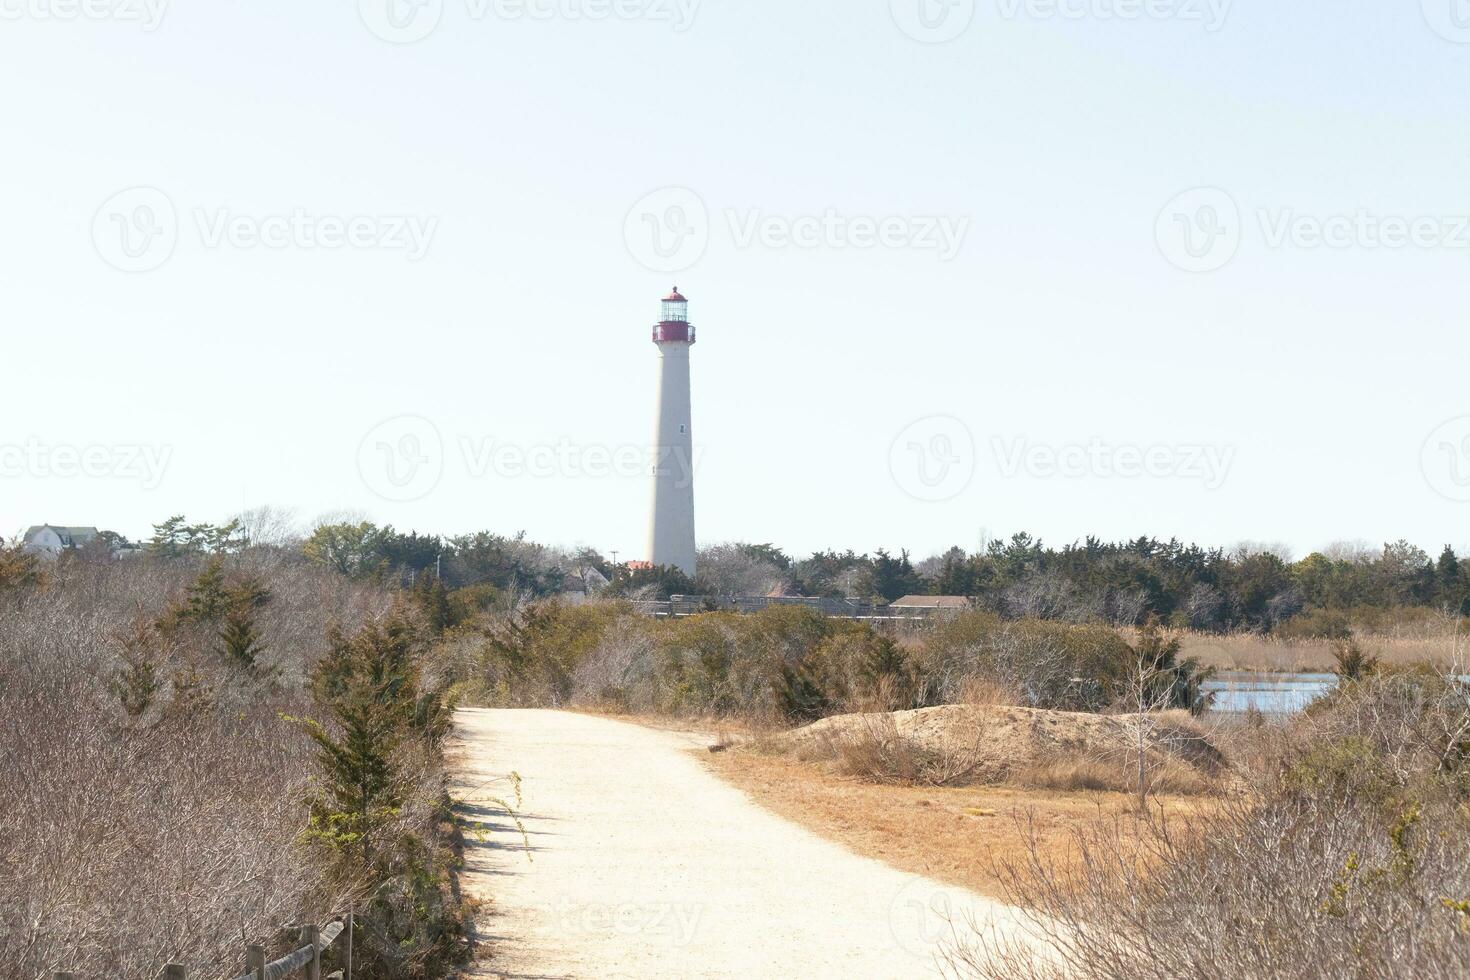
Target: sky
(959, 268)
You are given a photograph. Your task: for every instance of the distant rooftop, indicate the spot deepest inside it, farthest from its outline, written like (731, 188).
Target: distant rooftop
(932, 602)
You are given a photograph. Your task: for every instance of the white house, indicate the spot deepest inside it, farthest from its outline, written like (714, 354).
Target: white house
(48, 540)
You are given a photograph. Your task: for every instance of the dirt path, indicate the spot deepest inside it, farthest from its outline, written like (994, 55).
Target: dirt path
(644, 864)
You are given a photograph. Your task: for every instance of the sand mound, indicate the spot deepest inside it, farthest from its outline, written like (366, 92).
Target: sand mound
(965, 743)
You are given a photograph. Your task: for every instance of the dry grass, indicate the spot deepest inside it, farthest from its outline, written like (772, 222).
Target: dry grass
(994, 744)
(1267, 654)
(964, 836)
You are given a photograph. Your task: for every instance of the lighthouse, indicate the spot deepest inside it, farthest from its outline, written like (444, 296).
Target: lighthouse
(671, 534)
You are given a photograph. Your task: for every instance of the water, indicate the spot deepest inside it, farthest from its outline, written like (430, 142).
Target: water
(1238, 691)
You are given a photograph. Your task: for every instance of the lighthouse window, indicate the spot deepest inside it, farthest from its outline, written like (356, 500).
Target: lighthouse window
(683, 430)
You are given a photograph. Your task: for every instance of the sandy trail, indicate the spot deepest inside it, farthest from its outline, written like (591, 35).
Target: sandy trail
(644, 864)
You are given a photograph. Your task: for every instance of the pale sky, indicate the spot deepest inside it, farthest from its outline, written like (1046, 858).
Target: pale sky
(939, 287)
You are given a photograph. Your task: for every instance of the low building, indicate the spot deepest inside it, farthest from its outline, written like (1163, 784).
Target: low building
(584, 580)
(955, 603)
(50, 540)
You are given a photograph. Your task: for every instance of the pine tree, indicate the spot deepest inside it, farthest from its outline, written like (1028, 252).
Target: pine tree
(368, 686)
(241, 642)
(136, 683)
(208, 598)
(17, 568)
(432, 599)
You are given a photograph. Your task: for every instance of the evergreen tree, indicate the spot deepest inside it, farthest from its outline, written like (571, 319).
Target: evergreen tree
(136, 683)
(893, 578)
(368, 687)
(956, 574)
(241, 642)
(432, 599)
(1170, 682)
(208, 598)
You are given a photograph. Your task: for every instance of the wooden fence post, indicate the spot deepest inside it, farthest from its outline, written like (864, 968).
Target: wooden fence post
(347, 965)
(175, 971)
(312, 935)
(255, 961)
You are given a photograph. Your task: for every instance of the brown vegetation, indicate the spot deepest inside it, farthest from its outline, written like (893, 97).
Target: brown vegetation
(966, 836)
(155, 789)
(1345, 852)
(1444, 645)
(992, 744)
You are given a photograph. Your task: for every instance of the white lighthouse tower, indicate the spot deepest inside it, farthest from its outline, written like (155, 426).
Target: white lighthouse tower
(671, 536)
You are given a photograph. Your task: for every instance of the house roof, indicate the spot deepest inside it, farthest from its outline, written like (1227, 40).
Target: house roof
(932, 602)
(69, 535)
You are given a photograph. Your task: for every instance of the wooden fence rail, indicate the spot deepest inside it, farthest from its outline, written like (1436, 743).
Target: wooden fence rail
(307, 957)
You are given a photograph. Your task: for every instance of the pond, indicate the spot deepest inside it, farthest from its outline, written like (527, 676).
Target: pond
(1273, 694)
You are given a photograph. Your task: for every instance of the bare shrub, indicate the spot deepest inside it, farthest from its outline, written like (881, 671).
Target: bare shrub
(875, 749)
(152, 793)
(1344, 852)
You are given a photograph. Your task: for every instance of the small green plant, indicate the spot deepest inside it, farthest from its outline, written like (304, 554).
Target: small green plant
(1352, 663)
(240, 643)
(136, 682)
